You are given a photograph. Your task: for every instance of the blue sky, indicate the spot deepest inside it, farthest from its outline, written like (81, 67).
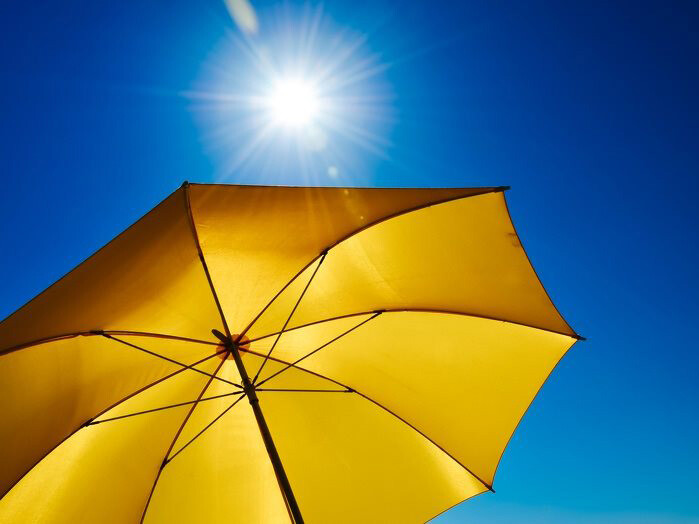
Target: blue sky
(588, 110)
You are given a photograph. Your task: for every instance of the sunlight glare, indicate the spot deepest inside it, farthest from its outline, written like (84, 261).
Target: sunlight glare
(293, 103)
(293, 94)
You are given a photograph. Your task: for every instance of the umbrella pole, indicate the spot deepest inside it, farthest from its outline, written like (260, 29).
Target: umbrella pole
(283, 480)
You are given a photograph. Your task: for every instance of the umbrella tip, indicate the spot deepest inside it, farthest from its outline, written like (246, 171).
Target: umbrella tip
(503, 188)
(185, 183)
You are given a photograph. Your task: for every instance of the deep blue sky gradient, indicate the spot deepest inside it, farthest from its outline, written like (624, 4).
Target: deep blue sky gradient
(588, 110)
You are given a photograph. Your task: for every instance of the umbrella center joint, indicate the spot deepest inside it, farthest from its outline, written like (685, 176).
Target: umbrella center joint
(231, 344)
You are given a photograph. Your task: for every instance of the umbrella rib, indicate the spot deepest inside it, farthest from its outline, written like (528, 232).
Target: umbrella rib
(146, 411)
(293, 310)
(218, 417)
(281, 390)
(347, 332)
(280, 361)
(454, 505)
(529, 260)
(418, 310)
(153, 353)
(484, 191)
(319, 375)
(96, 332)
(177, 435)
(521, 418)
(105, 410)
(193, 227)
(387, 410)
(154, 383)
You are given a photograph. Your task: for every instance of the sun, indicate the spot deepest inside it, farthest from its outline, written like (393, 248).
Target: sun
(293, 102)
(294, 95)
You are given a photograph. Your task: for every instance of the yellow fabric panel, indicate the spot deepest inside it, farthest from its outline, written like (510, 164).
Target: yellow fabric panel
(48, 391)
(149, 278)
(349, 461)
(255, 239)
(459, 256)
(104, 472)
(224, 476)
(463, 381)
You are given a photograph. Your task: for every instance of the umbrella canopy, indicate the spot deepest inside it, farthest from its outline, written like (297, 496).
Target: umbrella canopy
(266, 354)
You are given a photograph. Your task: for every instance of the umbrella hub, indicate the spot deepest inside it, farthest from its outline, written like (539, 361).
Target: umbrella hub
(243, 344)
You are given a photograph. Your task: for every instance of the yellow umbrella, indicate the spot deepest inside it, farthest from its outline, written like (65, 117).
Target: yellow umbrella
(266, 354)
